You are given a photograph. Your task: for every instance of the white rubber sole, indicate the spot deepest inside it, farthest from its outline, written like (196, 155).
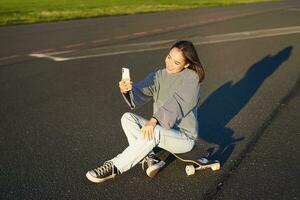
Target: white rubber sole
(98, 180)
(152, 171)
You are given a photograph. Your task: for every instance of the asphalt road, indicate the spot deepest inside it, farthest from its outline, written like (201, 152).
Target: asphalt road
(60, 106)
(270, 170)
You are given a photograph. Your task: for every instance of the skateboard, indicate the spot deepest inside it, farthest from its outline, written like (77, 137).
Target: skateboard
(194, 165)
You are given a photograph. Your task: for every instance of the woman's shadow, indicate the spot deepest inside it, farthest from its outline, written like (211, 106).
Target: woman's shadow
(228, 100)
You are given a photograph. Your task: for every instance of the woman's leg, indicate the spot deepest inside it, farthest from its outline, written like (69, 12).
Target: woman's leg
(132, 125)
(138, 148)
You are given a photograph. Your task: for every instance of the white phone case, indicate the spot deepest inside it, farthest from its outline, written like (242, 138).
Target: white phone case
(125, 74)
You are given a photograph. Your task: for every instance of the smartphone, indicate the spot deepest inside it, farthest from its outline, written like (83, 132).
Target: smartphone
(125, 74)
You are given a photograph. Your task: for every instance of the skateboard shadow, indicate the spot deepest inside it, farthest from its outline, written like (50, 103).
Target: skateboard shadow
(228, 100)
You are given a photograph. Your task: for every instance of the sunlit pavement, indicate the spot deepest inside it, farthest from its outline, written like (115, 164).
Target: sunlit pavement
(61, 107)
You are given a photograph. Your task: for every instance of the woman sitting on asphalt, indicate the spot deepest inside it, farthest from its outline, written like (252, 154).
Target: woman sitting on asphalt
(175, 91)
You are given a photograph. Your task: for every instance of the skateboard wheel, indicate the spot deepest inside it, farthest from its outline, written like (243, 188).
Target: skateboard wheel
(190, 170)
(216, 166)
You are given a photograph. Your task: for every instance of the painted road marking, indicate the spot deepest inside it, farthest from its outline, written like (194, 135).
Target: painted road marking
(293, 9)
(159, 30)
(165, 44)
(122, 37)
(100, 40)
(101, 55)
(9, 57)
(144, 43)
(56, 58)
(74, 45)
(140, 34)
(51, 55)
(246, 35)
(43, 51)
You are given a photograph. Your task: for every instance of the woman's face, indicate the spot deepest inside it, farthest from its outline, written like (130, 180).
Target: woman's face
(175, 61)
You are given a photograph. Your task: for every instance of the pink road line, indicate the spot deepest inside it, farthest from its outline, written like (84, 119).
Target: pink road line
(140, 33)
(9, 57)
(159, 30)
(100, 40)
(122, 37)
(170, 28)
(182, 26)
(43, 51)
(74, 45)
(193, 23)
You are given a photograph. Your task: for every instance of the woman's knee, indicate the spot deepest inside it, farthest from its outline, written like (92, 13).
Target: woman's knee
(126, 117)
(133, 119)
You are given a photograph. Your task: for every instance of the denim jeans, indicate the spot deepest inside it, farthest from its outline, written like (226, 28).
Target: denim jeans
(169, 139)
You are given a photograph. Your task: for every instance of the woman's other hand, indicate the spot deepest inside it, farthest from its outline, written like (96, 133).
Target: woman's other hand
(148, 129)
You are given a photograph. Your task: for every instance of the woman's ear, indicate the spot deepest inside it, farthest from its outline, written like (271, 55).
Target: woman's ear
(186, 65)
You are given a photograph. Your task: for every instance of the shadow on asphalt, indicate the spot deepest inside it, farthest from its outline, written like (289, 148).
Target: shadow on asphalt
(228, 100)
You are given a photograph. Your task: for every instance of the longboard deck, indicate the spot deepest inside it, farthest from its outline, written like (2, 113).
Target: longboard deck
(197, 163)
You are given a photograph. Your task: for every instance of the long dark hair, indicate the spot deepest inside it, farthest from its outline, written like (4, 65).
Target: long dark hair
(191, 57)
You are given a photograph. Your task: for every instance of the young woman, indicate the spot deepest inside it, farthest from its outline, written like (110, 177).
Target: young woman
(175, 92)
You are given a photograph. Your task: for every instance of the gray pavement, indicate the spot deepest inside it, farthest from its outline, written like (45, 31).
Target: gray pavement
(271, 169)
(59, 119)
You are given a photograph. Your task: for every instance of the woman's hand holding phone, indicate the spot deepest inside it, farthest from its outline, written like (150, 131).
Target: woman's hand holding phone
(125, 86)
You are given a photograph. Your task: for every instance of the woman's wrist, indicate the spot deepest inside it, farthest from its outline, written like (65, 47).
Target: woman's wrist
(153, 121)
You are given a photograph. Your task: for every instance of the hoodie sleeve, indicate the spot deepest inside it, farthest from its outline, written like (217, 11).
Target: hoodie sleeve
(183, 101)
(141, 93)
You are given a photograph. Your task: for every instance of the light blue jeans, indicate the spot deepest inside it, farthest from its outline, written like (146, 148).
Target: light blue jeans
(168, 139)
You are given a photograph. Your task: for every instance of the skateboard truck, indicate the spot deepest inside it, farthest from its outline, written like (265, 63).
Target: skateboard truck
(191, 169)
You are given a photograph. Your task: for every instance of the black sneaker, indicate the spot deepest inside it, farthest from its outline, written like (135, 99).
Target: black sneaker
(153, 165)
(102, 173)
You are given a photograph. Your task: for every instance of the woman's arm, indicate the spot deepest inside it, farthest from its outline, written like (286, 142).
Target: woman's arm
(141, 92)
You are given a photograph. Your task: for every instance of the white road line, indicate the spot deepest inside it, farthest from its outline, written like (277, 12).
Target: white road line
(104, 54)
(246, 35)
(49, 55)
(293, 9)
(39, 55)
(150, 46)
(148, 43)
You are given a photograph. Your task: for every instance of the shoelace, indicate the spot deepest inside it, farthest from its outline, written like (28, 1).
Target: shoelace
(143, 162)
(147, 159)
(106, 167)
